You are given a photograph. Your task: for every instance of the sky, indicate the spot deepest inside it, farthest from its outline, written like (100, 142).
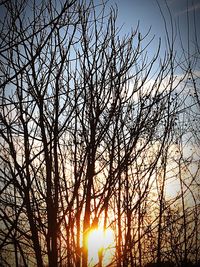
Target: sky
(148, 14)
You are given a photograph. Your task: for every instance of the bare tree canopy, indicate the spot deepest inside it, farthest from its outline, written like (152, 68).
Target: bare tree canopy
(95, 133)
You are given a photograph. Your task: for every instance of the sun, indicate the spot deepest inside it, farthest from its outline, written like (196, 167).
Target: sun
(100, 241)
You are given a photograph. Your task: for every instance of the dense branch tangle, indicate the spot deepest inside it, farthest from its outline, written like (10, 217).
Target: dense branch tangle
(83, 132)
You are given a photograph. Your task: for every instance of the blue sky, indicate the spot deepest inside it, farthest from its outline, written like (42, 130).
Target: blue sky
(148, 14)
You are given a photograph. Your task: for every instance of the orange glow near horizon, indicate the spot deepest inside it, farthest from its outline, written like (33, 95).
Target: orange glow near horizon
(100, 240)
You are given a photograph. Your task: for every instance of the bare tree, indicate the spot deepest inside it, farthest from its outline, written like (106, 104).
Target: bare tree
(87, 127)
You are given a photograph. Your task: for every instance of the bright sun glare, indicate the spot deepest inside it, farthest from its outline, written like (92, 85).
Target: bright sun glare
(98, 239)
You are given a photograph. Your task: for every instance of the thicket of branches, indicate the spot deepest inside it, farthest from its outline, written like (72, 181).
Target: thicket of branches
(94, 130)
